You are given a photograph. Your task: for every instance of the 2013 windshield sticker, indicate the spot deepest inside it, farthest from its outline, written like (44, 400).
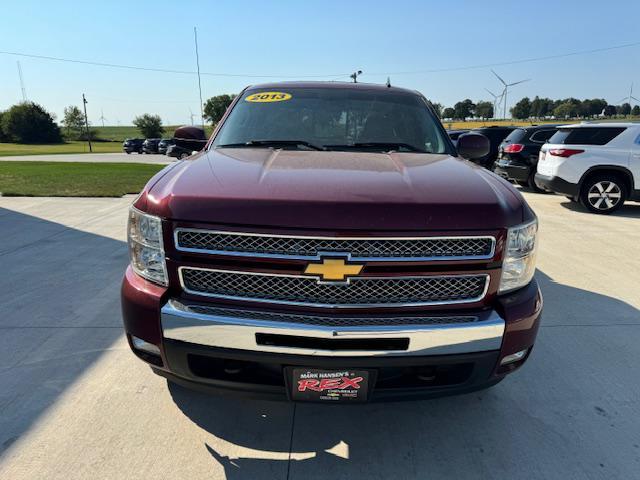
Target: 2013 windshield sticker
(264, 97)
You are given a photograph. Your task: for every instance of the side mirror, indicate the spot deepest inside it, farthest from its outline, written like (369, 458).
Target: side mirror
(473, 145)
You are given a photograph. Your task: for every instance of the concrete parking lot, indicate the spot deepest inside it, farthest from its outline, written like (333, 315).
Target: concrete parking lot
(75, 403)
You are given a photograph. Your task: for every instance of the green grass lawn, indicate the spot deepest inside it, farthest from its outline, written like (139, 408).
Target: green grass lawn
(10, 149)
(81, 179)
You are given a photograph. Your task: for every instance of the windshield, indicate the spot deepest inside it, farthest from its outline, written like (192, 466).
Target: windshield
(332, 119)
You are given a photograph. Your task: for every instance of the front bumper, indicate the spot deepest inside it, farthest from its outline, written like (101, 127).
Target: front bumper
(219, 350)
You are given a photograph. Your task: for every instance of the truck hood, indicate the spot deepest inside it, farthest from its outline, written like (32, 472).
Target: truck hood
(333, 191)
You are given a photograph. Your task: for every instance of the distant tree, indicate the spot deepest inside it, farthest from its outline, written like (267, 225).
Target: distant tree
(448, 113)
(522, 109)
(625, 109)
(541, 107)
(437, 107)
(464, 109)
(73, 122)
(3, 138)
(596, 106)
(215, 107)
(566, 110)
(635, 111)
(28, 122)
(150, 126)
(484, 109)
(609, 111)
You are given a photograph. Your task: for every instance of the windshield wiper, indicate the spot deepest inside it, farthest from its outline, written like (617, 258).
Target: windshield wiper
(272, 143)
(385, 146)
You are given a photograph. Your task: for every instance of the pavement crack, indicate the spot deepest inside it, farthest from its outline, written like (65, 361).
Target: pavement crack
(293, 426)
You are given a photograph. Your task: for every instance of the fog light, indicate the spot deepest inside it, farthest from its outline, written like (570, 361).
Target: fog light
(514, 357)
(143, 346)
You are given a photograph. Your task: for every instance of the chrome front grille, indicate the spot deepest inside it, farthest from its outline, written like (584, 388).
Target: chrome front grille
(329, 321)
(358, 292)
(301, 247)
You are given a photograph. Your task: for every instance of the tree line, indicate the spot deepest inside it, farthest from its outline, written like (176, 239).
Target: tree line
(538, 108)
(29, 122)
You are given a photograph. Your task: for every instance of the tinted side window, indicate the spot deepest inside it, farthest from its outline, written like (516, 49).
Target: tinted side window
(586, 135)
(541, 136)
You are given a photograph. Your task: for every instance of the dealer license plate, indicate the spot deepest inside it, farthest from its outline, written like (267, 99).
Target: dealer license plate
(314, 385)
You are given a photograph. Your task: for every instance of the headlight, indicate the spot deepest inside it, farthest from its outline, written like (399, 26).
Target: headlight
(520, 257)
(145, 246)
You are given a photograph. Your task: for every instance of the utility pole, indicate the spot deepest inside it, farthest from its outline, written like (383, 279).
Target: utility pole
(195, 37)
(86, 122)
(354, 76)
(24, 92)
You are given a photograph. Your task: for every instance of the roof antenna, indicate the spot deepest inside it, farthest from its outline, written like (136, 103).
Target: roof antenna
(388, 82)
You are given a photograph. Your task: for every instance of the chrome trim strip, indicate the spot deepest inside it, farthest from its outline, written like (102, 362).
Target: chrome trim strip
(489, 256)
(325, 305)
(179, 323)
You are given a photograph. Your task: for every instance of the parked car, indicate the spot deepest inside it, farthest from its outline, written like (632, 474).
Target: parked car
(132, 145)
(179, 152)
(518, 154)
(164, 144)
(308, 257)
(454, 134)
(187, 139)
(597, 164)
(150, 145)
(495, 134)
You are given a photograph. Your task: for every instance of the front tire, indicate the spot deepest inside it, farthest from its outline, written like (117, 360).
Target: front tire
(603, 193)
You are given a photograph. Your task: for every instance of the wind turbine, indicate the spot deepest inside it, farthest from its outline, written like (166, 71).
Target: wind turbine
(496, 101)
(505, 90)
(102, 119)
(630, 97)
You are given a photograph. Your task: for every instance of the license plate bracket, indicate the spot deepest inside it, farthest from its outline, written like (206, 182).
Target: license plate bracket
(348, 385)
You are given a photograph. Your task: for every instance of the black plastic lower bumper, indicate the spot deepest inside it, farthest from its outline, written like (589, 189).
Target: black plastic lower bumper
(513, 171)
(557, 185)
(262, 375)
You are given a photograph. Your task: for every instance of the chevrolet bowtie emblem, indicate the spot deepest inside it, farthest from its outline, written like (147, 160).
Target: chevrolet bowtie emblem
(333, 269)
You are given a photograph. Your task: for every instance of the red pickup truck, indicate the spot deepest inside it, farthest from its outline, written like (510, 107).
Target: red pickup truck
(330, 244)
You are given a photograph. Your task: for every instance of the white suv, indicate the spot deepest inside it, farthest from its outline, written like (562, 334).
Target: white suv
(597, 164)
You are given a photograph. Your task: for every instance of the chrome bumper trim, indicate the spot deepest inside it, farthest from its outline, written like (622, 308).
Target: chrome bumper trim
(180, 323)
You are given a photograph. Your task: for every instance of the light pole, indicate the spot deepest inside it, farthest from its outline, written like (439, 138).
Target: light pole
(86, 121)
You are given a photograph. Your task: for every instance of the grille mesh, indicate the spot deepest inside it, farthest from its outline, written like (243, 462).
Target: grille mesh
(360, 291)
(307, 247)
(327, 321)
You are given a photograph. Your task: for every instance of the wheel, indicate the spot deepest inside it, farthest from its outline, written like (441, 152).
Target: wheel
(128, 152)
(183, 155)
(603, 193)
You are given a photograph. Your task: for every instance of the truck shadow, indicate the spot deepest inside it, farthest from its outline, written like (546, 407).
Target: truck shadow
(487, 434)
(58, 295)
